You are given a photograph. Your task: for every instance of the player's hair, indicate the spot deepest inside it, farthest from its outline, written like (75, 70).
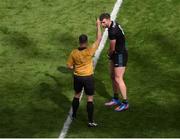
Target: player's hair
(104, 16)
(83, 38)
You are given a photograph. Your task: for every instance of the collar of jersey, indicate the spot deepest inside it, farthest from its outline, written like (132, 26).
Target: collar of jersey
(81, 48)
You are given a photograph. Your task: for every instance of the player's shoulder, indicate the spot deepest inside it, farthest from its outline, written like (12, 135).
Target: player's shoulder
(118, 27)
(114, 26)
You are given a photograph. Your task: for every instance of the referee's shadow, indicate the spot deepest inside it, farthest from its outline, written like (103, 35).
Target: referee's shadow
(54, 91)
(64, 70)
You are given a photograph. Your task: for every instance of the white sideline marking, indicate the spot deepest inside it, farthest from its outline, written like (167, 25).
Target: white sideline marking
(96, 57)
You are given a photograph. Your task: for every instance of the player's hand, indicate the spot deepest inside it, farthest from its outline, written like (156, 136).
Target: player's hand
(109, 55)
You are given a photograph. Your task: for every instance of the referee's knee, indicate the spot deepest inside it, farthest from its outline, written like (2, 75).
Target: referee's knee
(77, 95)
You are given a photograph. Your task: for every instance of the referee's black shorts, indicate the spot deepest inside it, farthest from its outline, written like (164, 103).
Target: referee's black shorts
(86, 82)
(120, 59)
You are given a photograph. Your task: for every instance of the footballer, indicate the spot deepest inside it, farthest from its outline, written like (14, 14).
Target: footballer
(118, 56)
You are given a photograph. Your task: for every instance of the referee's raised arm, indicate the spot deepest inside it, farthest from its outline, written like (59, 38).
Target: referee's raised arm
(98, 36)
(98, 31)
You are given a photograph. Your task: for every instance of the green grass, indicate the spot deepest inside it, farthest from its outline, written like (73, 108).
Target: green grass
(152, 77)
(36, 37)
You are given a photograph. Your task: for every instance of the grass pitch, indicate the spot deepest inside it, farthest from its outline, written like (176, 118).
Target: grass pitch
(36, 38)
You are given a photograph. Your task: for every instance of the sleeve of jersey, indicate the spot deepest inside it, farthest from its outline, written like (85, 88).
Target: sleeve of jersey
(70, 61)
(93, 48)
(112, 34)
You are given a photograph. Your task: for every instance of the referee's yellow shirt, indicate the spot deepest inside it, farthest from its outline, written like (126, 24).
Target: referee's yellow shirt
(82, 60)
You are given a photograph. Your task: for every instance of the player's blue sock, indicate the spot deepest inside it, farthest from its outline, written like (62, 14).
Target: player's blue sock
(125, 101)
(116, 96)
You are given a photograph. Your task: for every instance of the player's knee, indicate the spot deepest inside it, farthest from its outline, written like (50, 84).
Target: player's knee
(119, 79)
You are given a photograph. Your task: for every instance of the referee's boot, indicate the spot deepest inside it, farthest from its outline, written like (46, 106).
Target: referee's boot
(92, 124)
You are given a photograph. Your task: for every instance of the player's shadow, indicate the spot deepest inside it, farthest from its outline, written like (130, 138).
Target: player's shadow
(101, 89)
(150, 120)
(101, 71)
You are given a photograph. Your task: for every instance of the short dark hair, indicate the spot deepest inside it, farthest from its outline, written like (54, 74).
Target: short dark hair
(104, 16)
(83, 38)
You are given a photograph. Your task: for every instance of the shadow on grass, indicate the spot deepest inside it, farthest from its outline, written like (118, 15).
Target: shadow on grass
(27, 46)
(167, 46)
(64, 41)
(152, 75)
(38, 112)
(101, 89)
(64, 70)
(146, 119)
(101, 74)
(56, 94)
(20, 41)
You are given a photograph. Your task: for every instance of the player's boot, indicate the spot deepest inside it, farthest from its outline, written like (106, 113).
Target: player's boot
(93, 124)
(122, 107)
(113, 102)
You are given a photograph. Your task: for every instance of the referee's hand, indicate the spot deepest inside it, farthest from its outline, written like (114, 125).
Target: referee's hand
(98, 22)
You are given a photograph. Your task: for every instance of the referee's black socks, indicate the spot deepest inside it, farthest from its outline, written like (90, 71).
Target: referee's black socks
(75, 105)
(90, 110)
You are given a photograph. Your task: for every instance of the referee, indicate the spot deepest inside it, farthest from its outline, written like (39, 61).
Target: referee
(81, 62)
(118, 56)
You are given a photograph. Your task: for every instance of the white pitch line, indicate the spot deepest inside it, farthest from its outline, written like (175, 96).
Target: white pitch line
(95, 60)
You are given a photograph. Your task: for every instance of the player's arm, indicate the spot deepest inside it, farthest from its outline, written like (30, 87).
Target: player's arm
(112, 38)
(70, 62)
(112, 47)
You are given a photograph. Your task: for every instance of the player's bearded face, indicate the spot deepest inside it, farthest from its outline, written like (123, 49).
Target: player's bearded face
(105, 23)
